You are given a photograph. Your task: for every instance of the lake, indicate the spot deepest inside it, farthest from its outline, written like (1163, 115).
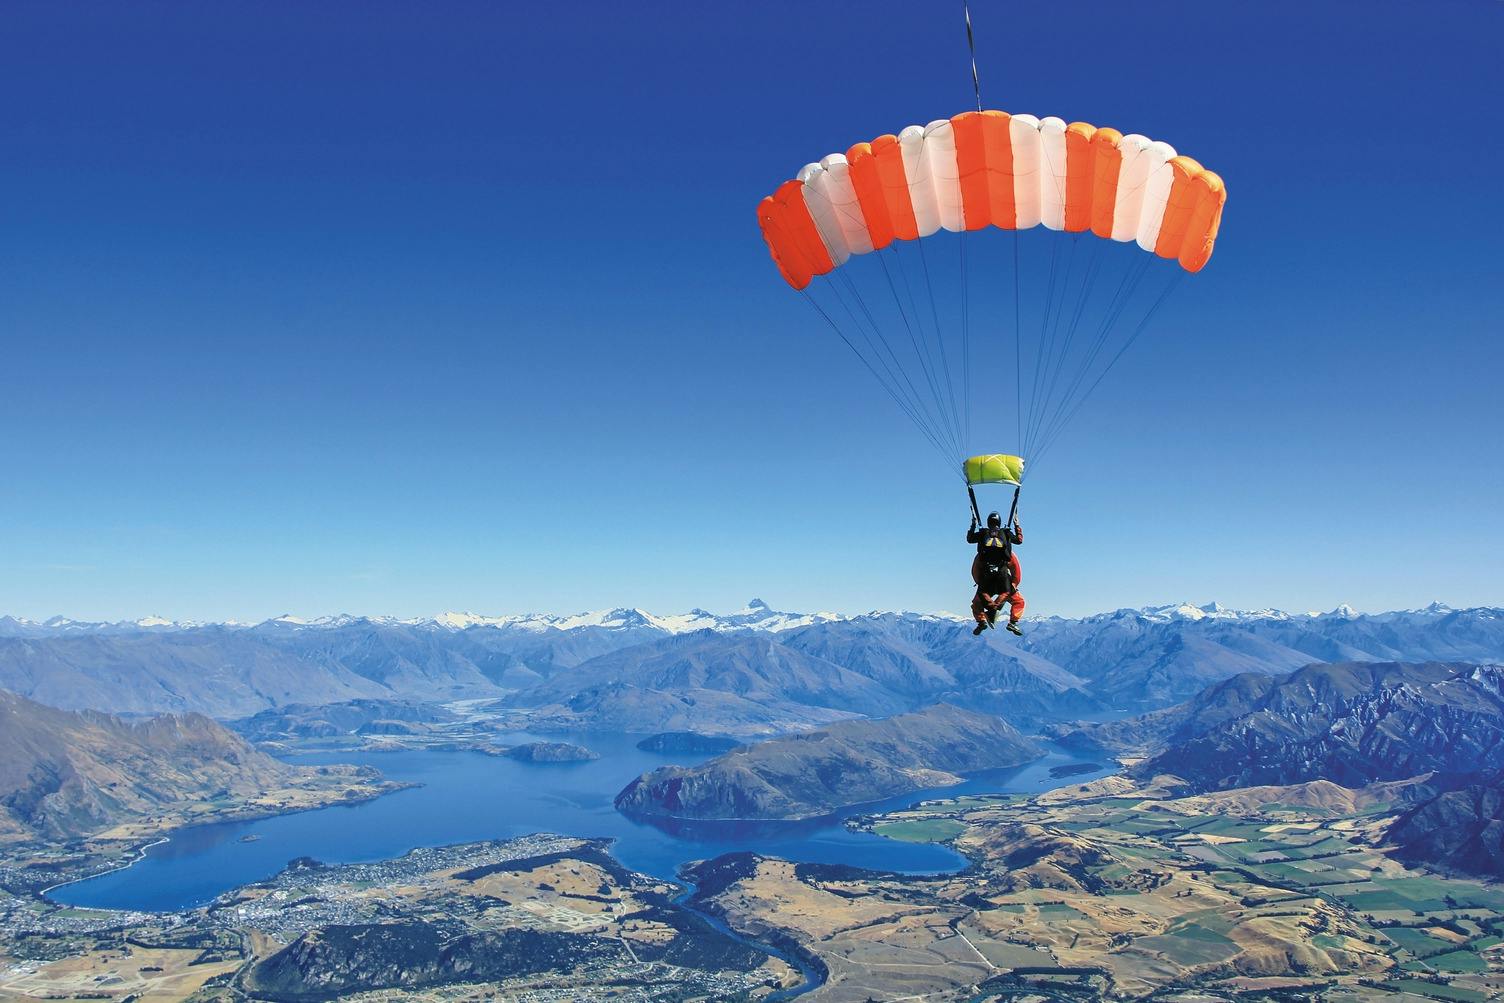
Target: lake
(469, 796)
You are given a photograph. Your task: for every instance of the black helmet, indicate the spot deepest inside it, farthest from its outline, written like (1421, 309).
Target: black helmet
(994, 520)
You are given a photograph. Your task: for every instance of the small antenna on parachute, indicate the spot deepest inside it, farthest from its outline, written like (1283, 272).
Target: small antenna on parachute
(976, 83)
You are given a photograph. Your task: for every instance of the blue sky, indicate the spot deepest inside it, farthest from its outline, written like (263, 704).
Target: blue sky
(397, 308)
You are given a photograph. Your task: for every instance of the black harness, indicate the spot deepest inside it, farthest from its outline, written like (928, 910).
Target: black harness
(996, 552)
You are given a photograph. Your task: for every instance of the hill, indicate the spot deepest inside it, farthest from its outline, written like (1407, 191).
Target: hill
(1459, 831)
(64, 774)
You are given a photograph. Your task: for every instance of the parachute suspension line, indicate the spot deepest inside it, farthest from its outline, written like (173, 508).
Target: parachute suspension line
(897, 375)
(891, 383)
(1088, 281)
(916, 340)
(1082, 299)
(1154, 308)
(939, 419)
(913, 339)
(976, 83)
(965, 346)
(1018, 351)
(908, 285)
(950, 387)
(1143, 325)
(931, 424)
(1053, 360)
(902, 405)
(1115, 307)
(1039, 348)
(1013, 511)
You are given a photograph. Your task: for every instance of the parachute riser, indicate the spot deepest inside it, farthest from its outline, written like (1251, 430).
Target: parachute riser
(976, 513)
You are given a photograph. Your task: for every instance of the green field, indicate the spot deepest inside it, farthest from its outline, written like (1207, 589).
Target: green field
(931, 830)
(1458, 961)
(1057, 910)
(1417, 942)
(1438, 992)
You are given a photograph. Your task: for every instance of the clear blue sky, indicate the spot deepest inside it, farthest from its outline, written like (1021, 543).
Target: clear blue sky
(398, 307)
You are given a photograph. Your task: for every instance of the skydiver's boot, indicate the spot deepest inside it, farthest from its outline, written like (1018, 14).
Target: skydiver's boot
(1013, 628)
(977, 631)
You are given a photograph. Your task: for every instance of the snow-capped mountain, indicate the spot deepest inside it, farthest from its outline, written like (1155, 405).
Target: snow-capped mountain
(620, 665)
(756, 615)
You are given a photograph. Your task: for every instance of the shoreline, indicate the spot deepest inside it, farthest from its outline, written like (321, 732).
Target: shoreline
(137, 852)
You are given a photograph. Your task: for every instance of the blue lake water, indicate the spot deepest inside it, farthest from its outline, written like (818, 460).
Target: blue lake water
(468, 796)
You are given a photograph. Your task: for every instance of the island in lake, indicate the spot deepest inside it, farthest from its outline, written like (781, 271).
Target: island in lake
(550, 752)
(687, 741)
(814, 773)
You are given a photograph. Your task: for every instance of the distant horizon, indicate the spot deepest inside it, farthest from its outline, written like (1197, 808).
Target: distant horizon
(158, 619)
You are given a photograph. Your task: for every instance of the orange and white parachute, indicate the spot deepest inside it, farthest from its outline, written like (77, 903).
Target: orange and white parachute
(990, 168)
(980, 170)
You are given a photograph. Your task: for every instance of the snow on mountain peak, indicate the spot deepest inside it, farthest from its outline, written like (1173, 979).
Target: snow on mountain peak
(757, 616)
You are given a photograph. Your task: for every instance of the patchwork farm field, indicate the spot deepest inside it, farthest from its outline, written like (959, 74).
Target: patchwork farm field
(1114, 890)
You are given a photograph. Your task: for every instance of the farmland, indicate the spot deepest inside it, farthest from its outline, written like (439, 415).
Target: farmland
(1117, 890)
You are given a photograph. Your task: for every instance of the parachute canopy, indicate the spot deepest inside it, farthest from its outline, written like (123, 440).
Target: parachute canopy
(993, 468)
(989, 168)
(965, 330)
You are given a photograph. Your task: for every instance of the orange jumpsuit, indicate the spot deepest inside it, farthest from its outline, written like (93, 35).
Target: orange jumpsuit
(984, 602)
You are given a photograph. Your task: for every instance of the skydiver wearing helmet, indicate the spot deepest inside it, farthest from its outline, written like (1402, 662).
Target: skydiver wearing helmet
(996, 573)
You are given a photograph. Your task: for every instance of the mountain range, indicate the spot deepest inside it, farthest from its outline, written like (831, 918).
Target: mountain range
(1350, 723)
(756, 671)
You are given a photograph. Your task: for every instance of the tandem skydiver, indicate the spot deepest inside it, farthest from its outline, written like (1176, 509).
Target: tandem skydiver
(996, 573)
